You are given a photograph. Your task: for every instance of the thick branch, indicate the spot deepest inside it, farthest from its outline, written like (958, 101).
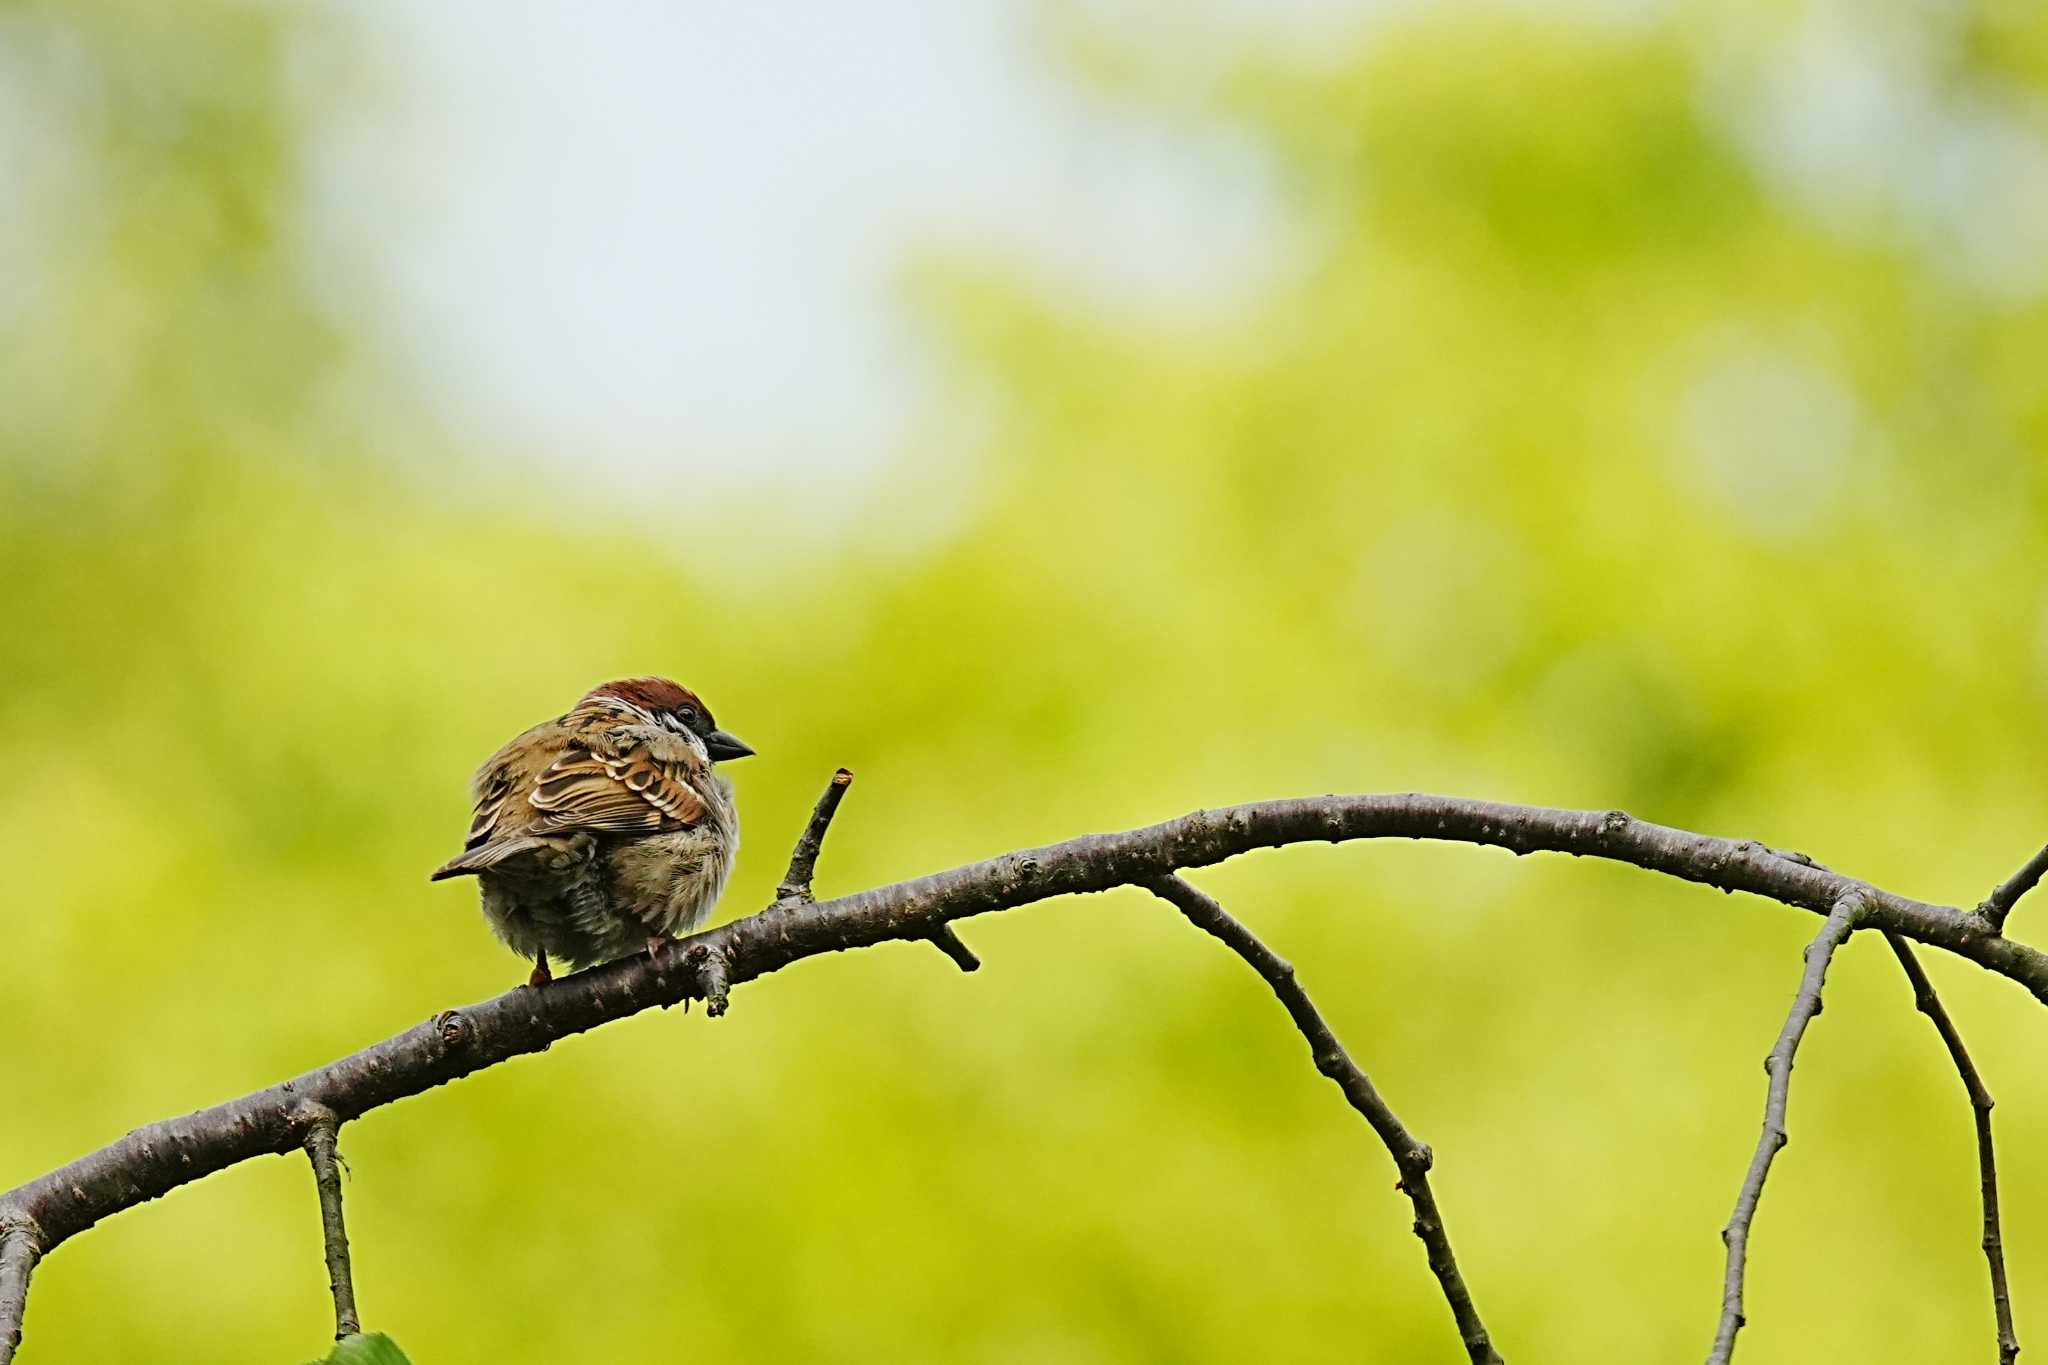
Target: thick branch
(1412, 1157)
(161, 1156)
(20, 1249)
(1805, 1004)
(1929, 1004)
(2001, 901)
(323, 1147)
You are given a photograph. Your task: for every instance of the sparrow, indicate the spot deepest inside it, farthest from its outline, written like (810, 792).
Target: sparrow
(605, 830)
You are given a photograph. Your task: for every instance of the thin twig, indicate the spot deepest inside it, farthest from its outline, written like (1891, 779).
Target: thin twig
(1412, 1157)
(1841, 921)
(803, 861)
(948, 942)
(1929, 1004)
(323, 1137)
(2001, 901)
(20, 1249)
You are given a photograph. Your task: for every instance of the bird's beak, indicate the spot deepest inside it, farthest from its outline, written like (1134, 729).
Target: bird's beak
(723, 747)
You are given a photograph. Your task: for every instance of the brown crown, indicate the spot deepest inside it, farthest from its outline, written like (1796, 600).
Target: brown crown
(653, 695)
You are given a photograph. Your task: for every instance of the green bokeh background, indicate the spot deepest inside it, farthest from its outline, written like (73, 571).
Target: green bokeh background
(1587, 452)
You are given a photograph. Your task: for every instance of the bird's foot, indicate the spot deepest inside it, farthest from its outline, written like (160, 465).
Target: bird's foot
(541, 975)
(655, 943)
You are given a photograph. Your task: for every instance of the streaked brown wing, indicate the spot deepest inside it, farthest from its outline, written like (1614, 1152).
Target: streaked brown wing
(632, 792)
(492, 790)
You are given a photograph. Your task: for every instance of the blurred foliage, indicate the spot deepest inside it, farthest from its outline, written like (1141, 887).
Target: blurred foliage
(1646, 415)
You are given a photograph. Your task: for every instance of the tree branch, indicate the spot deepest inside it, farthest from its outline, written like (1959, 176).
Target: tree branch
(1929, 1004)
(21, 1246)
(1412, 1157)
(162, 1156)
(1841, 921)
(2001, 901)
(323, 1148)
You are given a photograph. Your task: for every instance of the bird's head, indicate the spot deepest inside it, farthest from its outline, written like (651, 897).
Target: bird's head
(677, 707)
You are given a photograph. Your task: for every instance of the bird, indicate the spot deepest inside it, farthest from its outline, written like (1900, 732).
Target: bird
(605, 830)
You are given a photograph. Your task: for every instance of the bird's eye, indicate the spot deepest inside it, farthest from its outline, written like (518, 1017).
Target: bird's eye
(687, 715)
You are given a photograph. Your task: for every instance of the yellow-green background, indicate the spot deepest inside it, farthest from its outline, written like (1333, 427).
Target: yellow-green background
(1578, 458)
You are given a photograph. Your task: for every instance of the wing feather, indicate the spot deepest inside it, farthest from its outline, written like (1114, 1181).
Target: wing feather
(633, 791)
(614, 771)
(490, 801)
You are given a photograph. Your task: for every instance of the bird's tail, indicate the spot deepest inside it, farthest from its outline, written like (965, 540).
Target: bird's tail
(483, 857)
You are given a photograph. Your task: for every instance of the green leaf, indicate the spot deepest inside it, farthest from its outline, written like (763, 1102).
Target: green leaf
(368, 1348)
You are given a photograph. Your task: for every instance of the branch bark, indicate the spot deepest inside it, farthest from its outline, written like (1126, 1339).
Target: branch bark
(21, 1246)
(1412, 1156)
(159, 1157)
(1841, 922)
(1929, 1004)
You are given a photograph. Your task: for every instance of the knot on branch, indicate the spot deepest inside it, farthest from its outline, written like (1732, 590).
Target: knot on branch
(1021, 869)
(454, 1028)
